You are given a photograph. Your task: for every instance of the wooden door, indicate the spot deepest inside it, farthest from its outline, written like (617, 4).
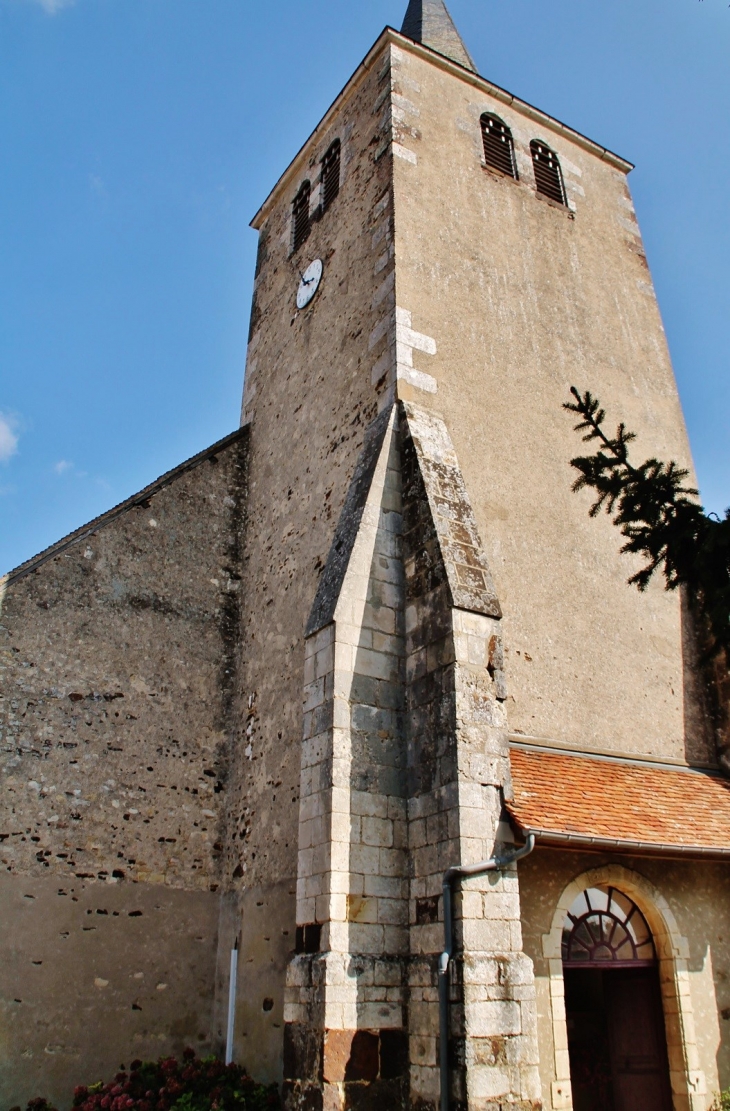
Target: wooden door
(637, 1041)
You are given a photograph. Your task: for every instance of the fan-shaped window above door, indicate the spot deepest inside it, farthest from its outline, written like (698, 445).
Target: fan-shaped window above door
(605, 928)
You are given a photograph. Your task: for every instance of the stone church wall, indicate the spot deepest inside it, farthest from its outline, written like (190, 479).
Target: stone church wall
(117, 669)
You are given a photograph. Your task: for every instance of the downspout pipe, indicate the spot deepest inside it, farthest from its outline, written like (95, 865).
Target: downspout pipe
(494, 864)
(232, 986)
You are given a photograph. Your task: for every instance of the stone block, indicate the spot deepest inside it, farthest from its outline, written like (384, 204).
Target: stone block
(395, 939)
(397, 808)
(393, 645)
(427, 939)
(367, 938)
(302, 1052)
(488, 1083)
(393, 862)
(393, 912)
(342, 827)
(387, 887)
(365, 859)
(362, 909)
(369, 805)
(379, 1016)
(388, 972)
(339, 857)
(423, 1050)
(501, 905)
(377, 831)
(338, 906)
(471, 904)
(485, 936)
(382, 618)
(324, 662)
(489, 1019)
(377, 665)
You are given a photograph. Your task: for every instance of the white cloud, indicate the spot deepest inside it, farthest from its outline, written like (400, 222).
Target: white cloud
(62, 466)
(8, 438)
(53, 6)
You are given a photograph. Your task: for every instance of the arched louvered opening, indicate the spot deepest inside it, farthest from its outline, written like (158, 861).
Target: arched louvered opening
(499, 148)
(331, 175)
(548, 175)
(300, 214)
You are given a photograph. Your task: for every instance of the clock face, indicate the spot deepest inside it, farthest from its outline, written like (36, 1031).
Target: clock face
(309, 284)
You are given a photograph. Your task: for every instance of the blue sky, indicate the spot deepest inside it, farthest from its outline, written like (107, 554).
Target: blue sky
(138, 138)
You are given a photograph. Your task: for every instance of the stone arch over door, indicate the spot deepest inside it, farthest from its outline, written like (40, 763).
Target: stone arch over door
(672, 949)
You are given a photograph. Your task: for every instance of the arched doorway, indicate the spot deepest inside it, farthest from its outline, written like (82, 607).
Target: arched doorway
(616, 1037)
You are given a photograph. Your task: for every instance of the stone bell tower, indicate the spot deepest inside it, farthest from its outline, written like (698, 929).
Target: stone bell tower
(409, 507)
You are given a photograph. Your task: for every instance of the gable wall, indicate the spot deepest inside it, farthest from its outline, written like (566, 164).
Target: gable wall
(117, 666)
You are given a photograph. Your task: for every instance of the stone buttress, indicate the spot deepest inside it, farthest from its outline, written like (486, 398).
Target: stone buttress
(404, 770)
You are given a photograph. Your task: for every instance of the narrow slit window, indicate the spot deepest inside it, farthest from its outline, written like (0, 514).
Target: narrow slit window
(499, 148)
(300, 214)
(548, 175)
(330, 175)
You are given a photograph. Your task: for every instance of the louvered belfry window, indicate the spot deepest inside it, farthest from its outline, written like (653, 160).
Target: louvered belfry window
(330, 175)
(499, 149)
(548, 175)
(300, 214)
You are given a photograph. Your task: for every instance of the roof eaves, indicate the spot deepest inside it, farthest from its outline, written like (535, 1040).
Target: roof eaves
(561, 840)
(111, 514)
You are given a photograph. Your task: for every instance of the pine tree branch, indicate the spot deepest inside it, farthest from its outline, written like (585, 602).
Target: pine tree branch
(657, 515)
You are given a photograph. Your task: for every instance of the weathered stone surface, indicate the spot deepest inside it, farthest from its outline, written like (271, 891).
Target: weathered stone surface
(440, 493)
(330, 583)
(119, 650)
(94, 974)
(523, 299)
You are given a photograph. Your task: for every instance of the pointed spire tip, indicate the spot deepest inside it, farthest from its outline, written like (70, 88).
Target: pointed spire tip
(429, 22)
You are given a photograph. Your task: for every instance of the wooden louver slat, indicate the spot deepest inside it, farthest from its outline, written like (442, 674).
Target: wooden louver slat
(300, 214)
(548, 175)
(331, 175)
(499, 151)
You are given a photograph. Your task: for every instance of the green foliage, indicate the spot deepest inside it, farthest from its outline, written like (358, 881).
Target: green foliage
(722, 1103)
(195, 1084)
(659, 516)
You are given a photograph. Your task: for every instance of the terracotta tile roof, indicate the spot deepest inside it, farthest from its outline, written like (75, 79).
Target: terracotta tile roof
(567, 797)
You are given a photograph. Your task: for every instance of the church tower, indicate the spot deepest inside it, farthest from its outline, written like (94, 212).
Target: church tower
(467, 261)
(343, 672)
